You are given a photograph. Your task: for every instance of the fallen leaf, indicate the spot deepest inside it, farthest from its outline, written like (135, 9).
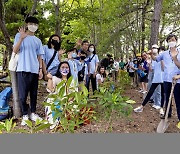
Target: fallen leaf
(130, 102)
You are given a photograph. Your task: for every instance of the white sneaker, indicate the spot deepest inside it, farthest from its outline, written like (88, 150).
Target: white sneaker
(140, 91)
(138, 109)
(144, 92)
(34, 117)
(156, 107)
(24, 118)
(161, 111)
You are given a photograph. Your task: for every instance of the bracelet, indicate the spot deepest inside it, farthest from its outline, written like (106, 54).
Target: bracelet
(40, 68)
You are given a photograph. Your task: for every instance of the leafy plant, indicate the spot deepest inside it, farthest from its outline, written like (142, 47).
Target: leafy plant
(34, 127)
(110, 101)
(7, 126)
(74, 109)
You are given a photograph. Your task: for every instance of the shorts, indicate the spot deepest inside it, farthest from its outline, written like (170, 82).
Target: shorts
(143, 79)
(131, 74)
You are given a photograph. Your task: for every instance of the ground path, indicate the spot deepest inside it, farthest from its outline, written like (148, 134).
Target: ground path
(145, 122)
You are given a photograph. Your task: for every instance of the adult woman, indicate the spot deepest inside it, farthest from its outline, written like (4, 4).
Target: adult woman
(100, 77)
(52, 55)
(93, 61)
(63, 73)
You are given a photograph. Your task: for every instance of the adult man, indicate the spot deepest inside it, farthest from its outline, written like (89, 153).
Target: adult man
(29, 67)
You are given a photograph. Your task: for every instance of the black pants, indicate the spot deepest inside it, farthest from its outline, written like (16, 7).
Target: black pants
(167, 89)
(27, 83)
(151, 91)
(93, 83)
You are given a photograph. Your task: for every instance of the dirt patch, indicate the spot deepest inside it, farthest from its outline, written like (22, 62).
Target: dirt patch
(145, 122)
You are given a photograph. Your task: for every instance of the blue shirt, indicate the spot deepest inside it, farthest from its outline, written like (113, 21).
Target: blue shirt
(73, 67)
(48, 53)
(92, 63)
(158, 73)
(170, 69)
(30, 48)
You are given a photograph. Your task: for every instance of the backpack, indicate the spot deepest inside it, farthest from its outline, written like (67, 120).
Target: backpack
(4, 106)
(81, 74)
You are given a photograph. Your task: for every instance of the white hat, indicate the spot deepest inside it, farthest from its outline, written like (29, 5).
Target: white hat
(155, 46)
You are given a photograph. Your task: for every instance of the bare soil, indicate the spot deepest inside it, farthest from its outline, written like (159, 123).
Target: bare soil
(145, 122)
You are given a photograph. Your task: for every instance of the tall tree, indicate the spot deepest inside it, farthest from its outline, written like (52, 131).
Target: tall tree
(8, 43)
(155, 22)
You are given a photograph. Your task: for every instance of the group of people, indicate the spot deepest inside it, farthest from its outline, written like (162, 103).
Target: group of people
(37, 61)
(157, 68)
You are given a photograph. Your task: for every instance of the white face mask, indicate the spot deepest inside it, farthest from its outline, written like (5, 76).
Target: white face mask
(172, 44)
(155, 50)
(91, 49)
(32, 28)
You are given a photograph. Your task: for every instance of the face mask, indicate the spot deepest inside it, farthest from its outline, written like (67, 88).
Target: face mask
(155, 50)
(56, 44)
(172, 44)
(64, 71)
(82, 57)
(74, 55)
(91, 49)
(32, 28)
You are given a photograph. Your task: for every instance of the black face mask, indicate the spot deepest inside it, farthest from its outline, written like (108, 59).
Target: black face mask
(82, 57)
(56, 44)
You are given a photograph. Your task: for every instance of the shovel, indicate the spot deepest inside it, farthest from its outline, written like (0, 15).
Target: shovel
(163, 125)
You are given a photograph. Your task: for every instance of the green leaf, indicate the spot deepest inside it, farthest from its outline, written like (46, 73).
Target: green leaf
(62, 92)
(29, 123)
(69, 82)
(42, 127)
(61, 84)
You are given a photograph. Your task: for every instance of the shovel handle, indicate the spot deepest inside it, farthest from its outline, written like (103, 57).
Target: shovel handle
(170, 98)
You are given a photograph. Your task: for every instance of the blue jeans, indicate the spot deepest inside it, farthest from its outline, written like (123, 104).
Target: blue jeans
(157, 96)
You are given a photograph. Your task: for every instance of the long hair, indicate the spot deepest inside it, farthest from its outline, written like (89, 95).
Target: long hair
(49, 41)
(94, 52)
(99, 68)
(58, 73)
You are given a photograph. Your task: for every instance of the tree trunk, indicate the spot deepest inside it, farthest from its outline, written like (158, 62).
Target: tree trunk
(143, 24)
(58, 24)
(4, 30)
(16, 105)
(33, 9)
(155, 22)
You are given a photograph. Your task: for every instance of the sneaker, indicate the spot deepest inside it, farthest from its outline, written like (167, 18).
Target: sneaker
(34, 117)
(24, 118)
(140, 91)
(144, 92)
(138, 109)
(161, 111)
(156, 107)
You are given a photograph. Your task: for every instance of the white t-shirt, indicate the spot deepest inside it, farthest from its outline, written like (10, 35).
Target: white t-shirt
(99, 77)
(131, 64)
(116, 65)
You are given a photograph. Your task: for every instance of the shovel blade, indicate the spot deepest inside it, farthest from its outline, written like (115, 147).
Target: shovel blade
(162, 127)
